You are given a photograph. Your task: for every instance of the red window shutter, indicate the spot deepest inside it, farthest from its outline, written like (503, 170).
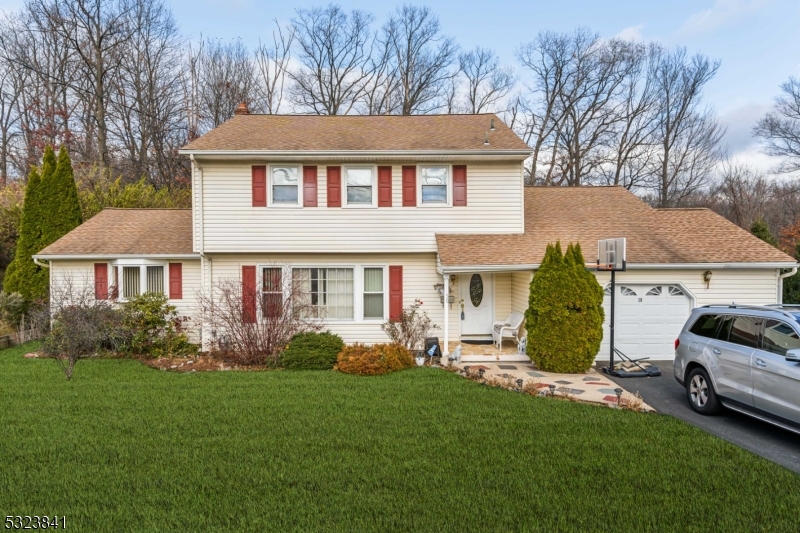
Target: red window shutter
(459, 184)
(259, 186)
(175, 281)
(384, 186)
(409, 186)
(395, 292)
(309, 186)
(334, 186)
(101, 281)
(249, 294)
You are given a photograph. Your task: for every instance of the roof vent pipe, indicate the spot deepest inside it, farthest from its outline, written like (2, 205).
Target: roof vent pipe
(486, 139)
(491, 126)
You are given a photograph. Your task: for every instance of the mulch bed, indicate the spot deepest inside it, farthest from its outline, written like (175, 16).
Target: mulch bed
(200, 363)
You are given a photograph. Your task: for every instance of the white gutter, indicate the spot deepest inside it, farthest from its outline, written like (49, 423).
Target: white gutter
(39, 263)
(69, 257)
(782, 277)
(337, 154)
(455, 269)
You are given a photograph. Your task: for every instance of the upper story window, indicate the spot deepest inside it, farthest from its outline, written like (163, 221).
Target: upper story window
(360, 182)
(433, 184)
(285, 185)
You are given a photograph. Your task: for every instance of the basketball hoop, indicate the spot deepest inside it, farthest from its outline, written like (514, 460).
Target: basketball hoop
(611, 258)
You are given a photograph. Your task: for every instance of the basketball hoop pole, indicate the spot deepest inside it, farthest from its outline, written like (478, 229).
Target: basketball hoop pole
(611, 322)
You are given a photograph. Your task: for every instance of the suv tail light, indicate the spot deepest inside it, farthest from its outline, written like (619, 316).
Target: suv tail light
(677, 343)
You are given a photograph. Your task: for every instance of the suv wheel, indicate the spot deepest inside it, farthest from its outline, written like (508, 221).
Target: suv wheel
(700, 393)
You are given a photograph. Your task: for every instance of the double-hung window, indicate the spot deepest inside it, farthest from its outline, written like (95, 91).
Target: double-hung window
(360, 182)
(325, 293)
(272, 292)
(434, 184)
(373, 293)
(285, 185)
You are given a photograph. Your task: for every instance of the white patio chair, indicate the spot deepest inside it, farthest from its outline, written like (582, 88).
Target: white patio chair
(507, 329)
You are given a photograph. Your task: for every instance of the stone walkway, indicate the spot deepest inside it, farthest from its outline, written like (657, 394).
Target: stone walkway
(591, 387)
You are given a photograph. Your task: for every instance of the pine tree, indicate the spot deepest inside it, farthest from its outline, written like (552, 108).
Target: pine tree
(564, 319)
(63, 197)
(760, 229)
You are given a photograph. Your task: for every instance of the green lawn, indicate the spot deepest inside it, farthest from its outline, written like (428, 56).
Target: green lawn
(123, 447)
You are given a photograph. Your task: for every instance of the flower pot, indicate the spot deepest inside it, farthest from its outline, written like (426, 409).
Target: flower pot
(420, 360)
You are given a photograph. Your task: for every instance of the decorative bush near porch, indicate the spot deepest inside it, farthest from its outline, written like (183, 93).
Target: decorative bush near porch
(374, 360)
(565, 312)
(123, 447)
(312, 351)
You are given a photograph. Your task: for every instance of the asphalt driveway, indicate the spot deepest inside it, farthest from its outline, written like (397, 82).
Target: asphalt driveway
(668, 397)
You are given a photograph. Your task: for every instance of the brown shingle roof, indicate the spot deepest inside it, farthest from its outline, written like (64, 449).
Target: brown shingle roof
(289, 133)
(588, 214)
(128, 231)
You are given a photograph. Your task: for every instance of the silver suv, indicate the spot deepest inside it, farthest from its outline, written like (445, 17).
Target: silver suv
(743, 357)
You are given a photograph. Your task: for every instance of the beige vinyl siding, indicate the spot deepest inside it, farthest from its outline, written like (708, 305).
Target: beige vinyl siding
(743, 286)
(419, 278)
(80, 276)
(231, 224)
(520, 290)
(502, 295)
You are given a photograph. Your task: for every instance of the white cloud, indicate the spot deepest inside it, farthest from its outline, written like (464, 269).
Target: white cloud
(632, 33)
(740, 121)
(721, 13)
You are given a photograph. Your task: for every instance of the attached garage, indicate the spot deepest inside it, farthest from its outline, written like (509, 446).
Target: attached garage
(648, 319)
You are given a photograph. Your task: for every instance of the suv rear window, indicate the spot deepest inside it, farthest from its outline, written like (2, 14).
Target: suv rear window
(745, 331)
(706, 326)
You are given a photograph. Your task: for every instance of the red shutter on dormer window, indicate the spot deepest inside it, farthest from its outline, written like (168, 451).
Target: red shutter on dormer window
(334, 186)
(259, 174)
(459, 184)
(395, 292)
(384, 186)
(249, 294)
(101, 281)
(175, 281)
(409, 186)
(309, 186)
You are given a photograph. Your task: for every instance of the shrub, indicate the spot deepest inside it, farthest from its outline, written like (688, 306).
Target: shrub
(565, 313)
(83, 330)
(154, 327)
(312, 351)
(12, 307)
(374, 360)
(410, 328)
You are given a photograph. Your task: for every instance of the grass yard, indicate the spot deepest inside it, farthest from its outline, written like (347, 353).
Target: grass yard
(123, 447)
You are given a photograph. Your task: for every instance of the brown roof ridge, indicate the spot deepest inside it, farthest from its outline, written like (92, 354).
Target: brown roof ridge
(355, 115)
(683, 209)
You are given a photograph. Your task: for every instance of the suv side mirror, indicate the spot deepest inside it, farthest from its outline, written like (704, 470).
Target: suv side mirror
(793, 355)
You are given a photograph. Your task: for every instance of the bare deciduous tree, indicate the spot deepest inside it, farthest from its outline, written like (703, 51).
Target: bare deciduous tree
(272, 60)
(487, 82)
(421, 58)
(334, 50)
(780, 129)
(226, 78)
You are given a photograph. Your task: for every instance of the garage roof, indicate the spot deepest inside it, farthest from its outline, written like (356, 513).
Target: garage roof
(588, 214)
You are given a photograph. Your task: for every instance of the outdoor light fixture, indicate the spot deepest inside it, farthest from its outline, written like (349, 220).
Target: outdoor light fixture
(466, 370)
(619, 395)
(707, 277)
(519, 384)
(552, 390)
(481, 371)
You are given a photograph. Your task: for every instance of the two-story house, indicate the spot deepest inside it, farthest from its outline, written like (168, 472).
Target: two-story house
(374, 212)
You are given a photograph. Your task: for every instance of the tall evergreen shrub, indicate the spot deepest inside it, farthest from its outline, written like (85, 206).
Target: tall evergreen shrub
(50, 211)
(565, 315)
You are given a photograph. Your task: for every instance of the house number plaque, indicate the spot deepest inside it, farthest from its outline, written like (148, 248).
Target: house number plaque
(476, 290)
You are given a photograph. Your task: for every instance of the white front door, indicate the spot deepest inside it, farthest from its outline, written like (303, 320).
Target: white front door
(477, 294)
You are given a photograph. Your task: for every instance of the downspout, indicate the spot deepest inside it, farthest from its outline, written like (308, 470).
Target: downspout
(782, 277)
(47, 265)
(205, 261)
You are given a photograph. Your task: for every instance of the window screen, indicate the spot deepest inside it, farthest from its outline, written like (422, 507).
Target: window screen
(359, 186)
(779, 337)
(744, 331)
(706, 325)
(434, 185)
(285, 183)
(373, 293)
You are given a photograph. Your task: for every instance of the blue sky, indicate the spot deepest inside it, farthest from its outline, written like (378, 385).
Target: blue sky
(756, 40)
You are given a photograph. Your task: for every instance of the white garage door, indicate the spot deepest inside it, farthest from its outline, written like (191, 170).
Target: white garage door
(648, 318)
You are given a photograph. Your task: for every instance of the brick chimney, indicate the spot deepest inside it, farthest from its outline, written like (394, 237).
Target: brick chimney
(241, 109)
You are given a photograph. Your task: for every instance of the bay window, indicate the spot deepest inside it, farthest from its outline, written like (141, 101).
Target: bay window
(135, 279)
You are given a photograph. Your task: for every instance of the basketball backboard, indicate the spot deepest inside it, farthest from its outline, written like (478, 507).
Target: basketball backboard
(611, 254)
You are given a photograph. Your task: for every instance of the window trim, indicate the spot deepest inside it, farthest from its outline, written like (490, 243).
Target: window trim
(449, 202)
(374, 203)
(115, 275)
(283, 205)
(358, 288)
